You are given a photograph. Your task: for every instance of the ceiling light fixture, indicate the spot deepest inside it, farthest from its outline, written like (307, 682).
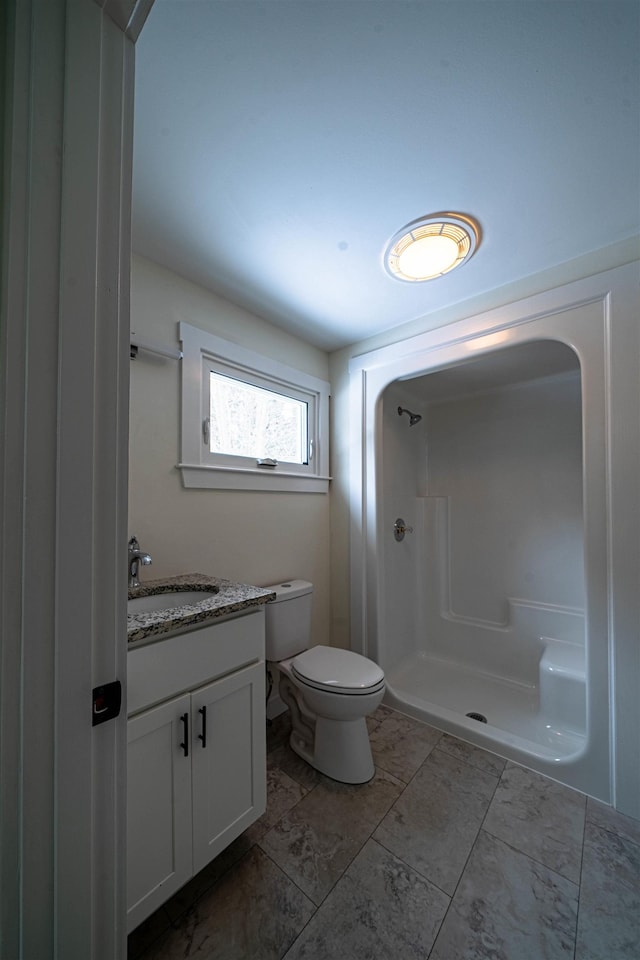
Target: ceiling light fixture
(431, 246)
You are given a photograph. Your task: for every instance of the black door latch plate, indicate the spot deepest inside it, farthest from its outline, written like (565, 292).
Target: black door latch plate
(107, 700)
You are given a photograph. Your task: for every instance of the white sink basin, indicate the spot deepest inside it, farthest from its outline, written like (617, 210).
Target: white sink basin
(168, 601)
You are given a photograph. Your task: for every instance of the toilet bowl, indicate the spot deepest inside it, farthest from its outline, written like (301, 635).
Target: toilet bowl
(329, 692)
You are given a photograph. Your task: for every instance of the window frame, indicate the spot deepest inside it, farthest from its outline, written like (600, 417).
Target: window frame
(216, 367)
(202, 352)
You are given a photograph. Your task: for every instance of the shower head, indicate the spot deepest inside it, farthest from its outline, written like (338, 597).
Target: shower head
(413, 417)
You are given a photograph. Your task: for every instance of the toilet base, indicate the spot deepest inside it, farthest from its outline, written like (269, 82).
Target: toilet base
(341, 750)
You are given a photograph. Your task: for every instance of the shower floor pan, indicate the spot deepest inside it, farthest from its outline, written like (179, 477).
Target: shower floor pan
(447, 691)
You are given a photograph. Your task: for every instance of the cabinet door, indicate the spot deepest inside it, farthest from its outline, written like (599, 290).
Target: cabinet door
(159, 857)
(229, 767)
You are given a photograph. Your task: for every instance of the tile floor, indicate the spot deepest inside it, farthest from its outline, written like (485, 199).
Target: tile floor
(449, 853)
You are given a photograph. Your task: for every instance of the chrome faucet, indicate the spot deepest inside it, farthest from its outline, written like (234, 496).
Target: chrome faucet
(136, 557)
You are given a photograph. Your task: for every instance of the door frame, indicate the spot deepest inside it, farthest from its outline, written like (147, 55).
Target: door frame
(66, 172)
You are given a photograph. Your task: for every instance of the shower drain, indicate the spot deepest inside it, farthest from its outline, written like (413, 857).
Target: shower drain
(477, 716)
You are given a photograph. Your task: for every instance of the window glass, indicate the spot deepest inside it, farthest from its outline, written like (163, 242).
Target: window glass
(247, 420)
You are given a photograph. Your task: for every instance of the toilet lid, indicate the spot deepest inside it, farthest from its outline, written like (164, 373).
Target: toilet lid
(337, 669)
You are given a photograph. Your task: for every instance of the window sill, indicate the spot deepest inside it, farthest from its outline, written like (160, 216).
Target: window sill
(204, 477)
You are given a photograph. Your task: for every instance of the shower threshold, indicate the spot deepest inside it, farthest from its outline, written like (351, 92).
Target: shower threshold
(448, 692)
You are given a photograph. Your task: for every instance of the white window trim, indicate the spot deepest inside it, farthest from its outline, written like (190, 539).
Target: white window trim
(197, 345)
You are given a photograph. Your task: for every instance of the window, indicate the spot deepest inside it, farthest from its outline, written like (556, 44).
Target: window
(249, 422)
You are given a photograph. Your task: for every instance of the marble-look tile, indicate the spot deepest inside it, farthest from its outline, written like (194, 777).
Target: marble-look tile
(609, 819)
(382, 712)
(433, 825)
(540, 818)
(360, 801)
(508, 906)
(400, 745)
(379, 714)
(319, 838)
(283, 794)
(379, 908)
(203, 881)
(285, 759)
(609, 917)
(253, 913)
(482, 759)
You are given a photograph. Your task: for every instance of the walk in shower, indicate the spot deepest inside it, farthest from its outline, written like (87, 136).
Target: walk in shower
(483, 610)
(482, 557)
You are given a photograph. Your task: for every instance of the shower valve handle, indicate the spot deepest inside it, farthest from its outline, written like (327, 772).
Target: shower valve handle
(400, 528)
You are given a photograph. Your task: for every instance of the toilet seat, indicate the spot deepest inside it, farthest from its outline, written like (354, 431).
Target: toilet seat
(337, 671)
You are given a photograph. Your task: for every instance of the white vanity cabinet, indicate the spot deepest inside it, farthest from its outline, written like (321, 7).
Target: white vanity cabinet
(159, 809)
(196, 755)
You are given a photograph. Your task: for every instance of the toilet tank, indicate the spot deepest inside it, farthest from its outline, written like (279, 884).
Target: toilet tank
(288, 619)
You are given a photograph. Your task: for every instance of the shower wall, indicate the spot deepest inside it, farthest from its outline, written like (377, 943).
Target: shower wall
(404, 479)
(492, 575)
(510, 462)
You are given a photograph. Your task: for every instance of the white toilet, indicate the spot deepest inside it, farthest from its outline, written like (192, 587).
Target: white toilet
(329, 692)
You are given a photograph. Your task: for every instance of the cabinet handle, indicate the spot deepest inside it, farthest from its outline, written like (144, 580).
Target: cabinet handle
(203, 736)
(185, 733)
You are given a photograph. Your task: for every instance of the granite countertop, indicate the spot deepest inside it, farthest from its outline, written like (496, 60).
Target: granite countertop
(230, 598)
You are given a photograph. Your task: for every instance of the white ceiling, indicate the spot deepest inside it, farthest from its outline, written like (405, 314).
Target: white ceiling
(279, 145)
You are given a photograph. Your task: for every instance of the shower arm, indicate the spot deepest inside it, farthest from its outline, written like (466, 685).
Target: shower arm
(413, 417)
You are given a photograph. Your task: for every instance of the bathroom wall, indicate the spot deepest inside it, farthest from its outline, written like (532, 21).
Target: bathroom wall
(247, 536)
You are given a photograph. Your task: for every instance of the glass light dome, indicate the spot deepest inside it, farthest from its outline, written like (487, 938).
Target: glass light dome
(431, 247)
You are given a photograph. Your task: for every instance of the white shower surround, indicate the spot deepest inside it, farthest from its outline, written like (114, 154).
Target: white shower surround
(598, 319)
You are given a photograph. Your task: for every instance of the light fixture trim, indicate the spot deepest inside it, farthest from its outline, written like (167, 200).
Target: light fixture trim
(462, 232)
